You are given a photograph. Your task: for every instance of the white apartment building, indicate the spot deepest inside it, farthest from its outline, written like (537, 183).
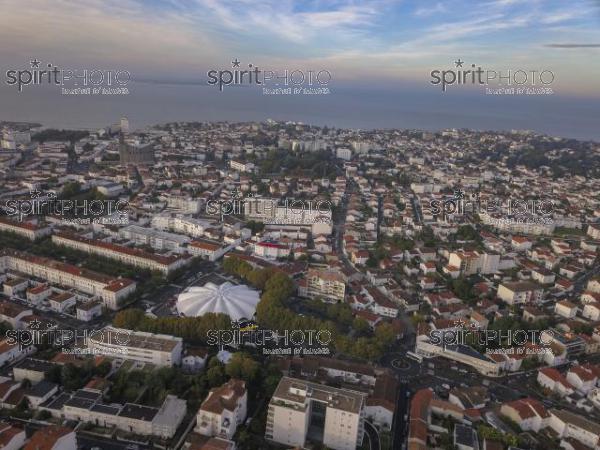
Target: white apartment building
(343, 153)
(180, 224)
(328, 285)
(183, 204)
(241, 166)
(296, 403)
(127, 255)
(470, 263)
(158, 240)
(111, 290)
(27, 229)
(223, 410)
(157, 349)
(520, 292)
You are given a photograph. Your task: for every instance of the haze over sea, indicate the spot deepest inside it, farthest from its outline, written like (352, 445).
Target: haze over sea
(421, 107)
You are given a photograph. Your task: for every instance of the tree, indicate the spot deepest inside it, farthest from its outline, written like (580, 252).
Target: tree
(385, 334)
(463, 288)
(71, 189)
(103, 369)
(360, 325)
(215, 375)
(242, 366)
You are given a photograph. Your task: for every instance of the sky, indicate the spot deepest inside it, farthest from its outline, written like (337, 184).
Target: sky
(370, 47)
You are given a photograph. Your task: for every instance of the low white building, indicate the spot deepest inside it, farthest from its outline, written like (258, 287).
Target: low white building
(86, 406)
(11, 352)
(223, 410)
(520, 292)
(529, 413)
(89, 310)
(14, 314)
(157, 349)
(582, 378)
(206, 249)
(569, 425)
(565, 309)
(551, 379)
(62, 301)
(591, 311)
(158, 240)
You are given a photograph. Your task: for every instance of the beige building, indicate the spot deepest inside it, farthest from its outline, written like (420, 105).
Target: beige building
(111, 290)
(29, 230)
(328, 285)
(299, 408)
(126, 255)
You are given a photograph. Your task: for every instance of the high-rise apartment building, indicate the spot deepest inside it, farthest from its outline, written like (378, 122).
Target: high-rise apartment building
(302, 411)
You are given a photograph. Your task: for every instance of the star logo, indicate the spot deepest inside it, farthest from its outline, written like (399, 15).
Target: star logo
(235, 63)
(459, 63)
(35, 324)
(459, 194)
(35, 193)
(35, 63)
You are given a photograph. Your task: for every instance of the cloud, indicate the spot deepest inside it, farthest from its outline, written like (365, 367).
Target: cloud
(430, 11)
(285, 20)
(572, 45)
(114, 32)
(179, 39)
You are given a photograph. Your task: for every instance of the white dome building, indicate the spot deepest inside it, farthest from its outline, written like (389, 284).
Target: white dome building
(237, 301)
